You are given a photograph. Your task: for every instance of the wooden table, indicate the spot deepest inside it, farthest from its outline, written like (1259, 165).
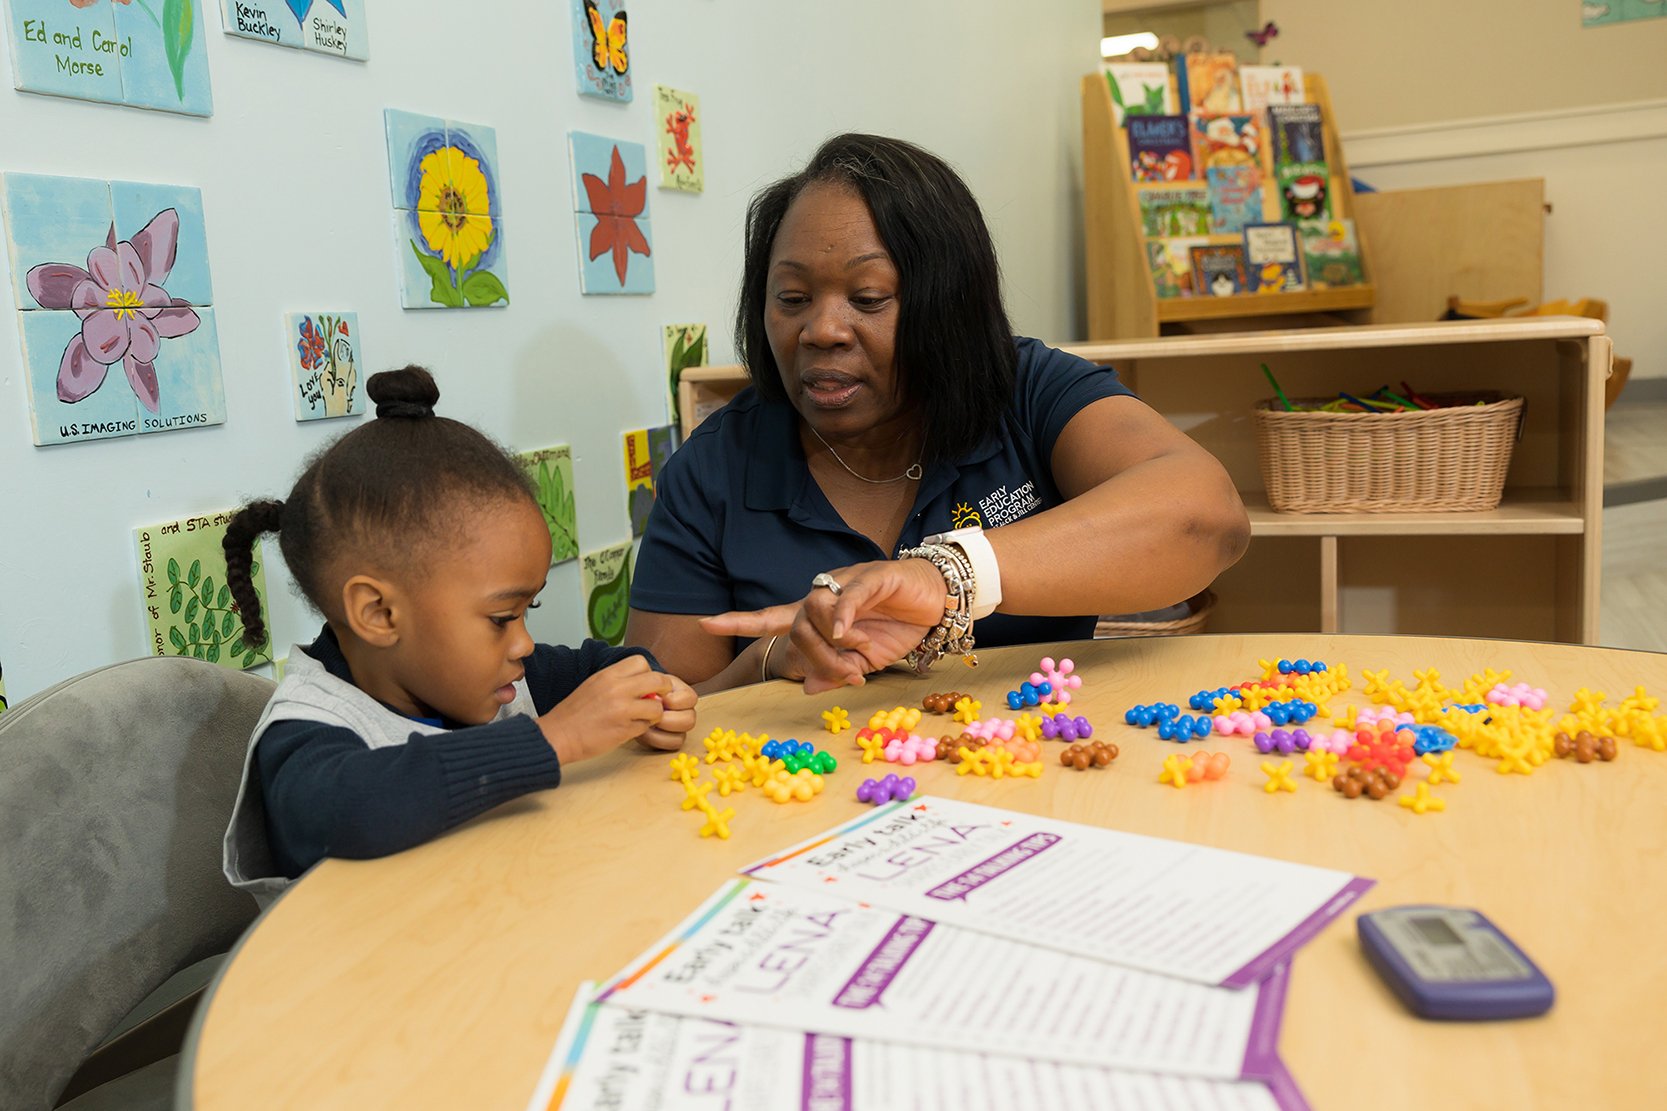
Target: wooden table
(440, 977)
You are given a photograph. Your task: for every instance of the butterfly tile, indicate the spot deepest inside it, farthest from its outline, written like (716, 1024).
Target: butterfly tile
(601, 49)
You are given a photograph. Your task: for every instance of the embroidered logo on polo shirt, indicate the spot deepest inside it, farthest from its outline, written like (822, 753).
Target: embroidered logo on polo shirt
(965, 516)
(1003, 506)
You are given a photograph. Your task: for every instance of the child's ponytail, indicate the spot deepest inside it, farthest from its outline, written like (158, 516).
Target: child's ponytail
(242, 531)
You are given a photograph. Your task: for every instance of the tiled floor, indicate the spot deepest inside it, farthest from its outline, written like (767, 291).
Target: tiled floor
(1633, 607)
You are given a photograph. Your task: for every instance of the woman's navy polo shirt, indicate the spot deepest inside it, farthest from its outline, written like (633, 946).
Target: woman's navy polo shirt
(740, 524)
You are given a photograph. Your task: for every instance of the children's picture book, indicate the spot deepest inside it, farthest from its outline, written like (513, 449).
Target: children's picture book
(1139, 89)
(1228, 139)
(1160, 148)
(1175, 209)
(1170, 260)
(1261, 86)
(1304, 191)
(1331, 253)
(551, 472)
(1297, 133)
(1236, 198)
(1208, 82)
(189, 607)
(605, 578)
(1272, 261)
(1217, 269)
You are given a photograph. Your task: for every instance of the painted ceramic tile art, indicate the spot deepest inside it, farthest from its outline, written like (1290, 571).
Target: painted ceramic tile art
(189, 607)
(551, 471)
(111, 346)
(646, 452)
(682, 159)
(684, 345)
(601, 49)
(448, 216)
(605, 578)
(324, 360)
(143, 53)
(610, 197)
(323, 26)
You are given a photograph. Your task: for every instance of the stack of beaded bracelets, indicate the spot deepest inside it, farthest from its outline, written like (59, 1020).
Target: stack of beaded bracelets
(953, 634)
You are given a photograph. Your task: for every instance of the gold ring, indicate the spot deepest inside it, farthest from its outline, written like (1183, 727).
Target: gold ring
(827, 580)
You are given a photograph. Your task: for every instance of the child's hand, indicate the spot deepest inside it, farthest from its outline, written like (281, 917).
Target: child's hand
(676, 723)
(618, 703)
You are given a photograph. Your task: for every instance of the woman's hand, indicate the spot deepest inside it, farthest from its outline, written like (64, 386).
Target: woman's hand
(881, 614)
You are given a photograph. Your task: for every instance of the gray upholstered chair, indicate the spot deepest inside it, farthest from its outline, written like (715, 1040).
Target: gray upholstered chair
(115, 789)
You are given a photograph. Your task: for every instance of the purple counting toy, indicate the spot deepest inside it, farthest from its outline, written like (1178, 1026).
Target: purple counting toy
(878, 792)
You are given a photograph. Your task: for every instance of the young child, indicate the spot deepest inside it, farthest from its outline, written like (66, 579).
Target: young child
(424, 701)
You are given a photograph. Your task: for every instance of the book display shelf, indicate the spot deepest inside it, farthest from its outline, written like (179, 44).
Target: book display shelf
(1123, 298)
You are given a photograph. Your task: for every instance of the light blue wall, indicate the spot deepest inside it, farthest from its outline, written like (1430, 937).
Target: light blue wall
(294, 177)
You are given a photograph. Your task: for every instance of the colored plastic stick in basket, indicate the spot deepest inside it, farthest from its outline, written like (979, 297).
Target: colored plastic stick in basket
(1421, 402)
(1398, 399)
(1274, 382)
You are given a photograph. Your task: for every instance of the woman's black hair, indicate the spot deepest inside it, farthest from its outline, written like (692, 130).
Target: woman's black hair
(954, 352)
(385, 489)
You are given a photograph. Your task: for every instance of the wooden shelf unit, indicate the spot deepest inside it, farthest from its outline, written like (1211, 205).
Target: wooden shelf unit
(1527, 570)
(1123, 301)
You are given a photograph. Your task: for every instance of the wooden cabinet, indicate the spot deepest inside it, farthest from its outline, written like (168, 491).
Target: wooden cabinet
(1528, 569)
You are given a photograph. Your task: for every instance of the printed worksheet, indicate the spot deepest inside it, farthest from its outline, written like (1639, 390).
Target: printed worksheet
(632, 1060)
(1197, 913)
(771, 955)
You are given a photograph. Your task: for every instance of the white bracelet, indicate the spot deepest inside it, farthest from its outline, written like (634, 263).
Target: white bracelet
(986, 573)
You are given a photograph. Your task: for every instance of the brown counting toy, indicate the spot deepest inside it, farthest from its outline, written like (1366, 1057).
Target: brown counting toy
(1584, 747)
(1375, 784)
(949, 748)
(942, 703)
(1081, 757)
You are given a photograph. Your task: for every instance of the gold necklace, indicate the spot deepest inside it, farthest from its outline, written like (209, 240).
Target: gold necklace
(914, 472)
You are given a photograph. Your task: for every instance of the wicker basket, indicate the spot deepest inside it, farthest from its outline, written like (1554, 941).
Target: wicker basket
(1130, 625)
(1450, 460)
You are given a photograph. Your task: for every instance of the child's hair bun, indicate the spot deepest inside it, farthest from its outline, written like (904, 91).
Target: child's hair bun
(408, 392)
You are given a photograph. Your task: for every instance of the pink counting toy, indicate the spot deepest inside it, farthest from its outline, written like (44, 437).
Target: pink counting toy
(1060, 678)
(990, 729)
(910, 749)
(1516, 694)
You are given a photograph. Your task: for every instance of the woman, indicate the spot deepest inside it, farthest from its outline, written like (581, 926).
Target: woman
(890, 402)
